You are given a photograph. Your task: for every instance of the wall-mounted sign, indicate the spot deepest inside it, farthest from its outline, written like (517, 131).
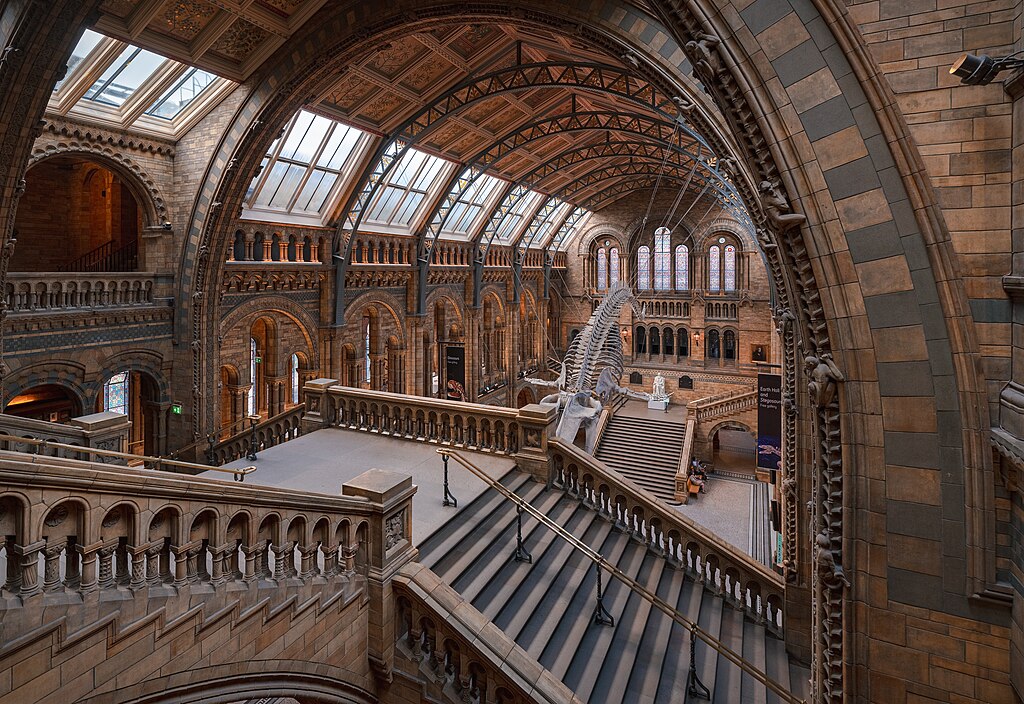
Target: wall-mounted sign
(769, 421)
(455, 372)
(176, 409)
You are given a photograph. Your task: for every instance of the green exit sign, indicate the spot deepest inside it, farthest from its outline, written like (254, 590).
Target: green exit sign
(259, 360)
(176, 409)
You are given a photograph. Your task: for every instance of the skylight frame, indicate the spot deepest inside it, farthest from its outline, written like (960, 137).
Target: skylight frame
(492, 189)
(343, 174)
(549, 226)
(525, 210)
(68, 99)
(409, 182)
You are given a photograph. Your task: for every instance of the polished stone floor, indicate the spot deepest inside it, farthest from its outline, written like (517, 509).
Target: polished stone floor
(324, 460)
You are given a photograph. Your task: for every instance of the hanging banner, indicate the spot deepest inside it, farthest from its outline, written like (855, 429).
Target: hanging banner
(455, 372)
(769, 421)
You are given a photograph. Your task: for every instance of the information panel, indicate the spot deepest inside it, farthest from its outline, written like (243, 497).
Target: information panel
(769, 421)
(455, 372)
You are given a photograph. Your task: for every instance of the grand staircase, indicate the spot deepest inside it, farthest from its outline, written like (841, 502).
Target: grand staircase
(645, 451)
(547, 607)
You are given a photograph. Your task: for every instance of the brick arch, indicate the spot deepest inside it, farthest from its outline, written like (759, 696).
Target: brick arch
(836, 317)
(144, 361)
(263, 304)
(724, 225)
(67, 374)
(385, 300)
(592, 234)
(134, 176)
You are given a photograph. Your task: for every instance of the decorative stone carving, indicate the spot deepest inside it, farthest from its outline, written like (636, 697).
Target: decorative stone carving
(394, 530)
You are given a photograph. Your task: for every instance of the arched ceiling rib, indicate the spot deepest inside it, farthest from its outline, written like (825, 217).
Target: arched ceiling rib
(517, 102)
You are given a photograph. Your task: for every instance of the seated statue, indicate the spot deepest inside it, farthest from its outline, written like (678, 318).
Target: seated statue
(658, 392)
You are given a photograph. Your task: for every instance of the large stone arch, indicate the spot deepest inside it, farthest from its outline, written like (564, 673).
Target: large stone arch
(138, 360)
(306, 322)
(138, 181)
(847, 302)
(388, 302)
(68, 374)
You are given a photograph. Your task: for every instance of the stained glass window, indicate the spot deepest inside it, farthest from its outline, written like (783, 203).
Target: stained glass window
(662, 263)
(366, 351)
(250, 400)
(602, 269)
(115, 393)
(643, 268)
(682, 268)
(613, 266)
(715, 268)
(730, 268)
(295, 378)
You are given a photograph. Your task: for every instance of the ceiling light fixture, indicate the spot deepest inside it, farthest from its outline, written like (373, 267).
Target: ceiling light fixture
(974, 70)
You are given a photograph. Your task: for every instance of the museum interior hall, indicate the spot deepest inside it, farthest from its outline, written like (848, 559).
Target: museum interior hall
(444, 352)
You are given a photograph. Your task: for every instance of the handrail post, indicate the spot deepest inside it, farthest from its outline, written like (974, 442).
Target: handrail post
(601, 615)
(448, 499)
(520, 554)
(694, 687)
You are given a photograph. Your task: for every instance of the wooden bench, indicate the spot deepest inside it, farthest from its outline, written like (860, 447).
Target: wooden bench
(692, 487)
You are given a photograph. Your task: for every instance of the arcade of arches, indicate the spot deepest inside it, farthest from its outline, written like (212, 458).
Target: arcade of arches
(206, 205)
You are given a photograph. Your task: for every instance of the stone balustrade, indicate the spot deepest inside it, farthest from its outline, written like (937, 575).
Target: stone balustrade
(268, 433)
(79, 527)
(723, 405)
(32, 292)
(99, 431)
(370, 248)
(457, 653)
(724, 569)
(469, 426)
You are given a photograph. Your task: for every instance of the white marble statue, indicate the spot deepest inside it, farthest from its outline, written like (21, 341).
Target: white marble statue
(658, 392)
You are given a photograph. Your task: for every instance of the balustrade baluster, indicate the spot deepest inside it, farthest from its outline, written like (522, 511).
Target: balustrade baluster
(51, 566)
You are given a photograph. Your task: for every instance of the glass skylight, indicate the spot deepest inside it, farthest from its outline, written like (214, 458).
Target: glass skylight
(513, 221)
(123, 77)
(180, 95)
(304, 165)
(540, 231)
(470, 205)
(86, 44)
(573, 224)
(401, 197)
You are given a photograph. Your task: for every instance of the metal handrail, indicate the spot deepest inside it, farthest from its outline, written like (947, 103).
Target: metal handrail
(651, 597)
(239, 474)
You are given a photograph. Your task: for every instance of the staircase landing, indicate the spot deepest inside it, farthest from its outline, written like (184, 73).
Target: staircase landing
(325, 459)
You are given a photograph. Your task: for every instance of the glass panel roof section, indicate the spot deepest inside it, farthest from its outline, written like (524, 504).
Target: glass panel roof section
(86, 44)
(470, 205)
(303, 167)
(539, 232)
(404, 194)
(180, 95)
(513, 222)
(123, 77)
(568, 231)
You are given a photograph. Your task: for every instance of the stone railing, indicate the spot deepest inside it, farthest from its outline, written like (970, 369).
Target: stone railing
(722, 568)
(723, 404)
(99, 431)
(92, 551)
(268, 433)
(457, 653)
(98, 527)
(469, 426)
(683, 470)
(31, 292)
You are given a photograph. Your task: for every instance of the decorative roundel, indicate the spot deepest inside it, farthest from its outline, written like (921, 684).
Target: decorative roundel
(607, 243)
(721, 240)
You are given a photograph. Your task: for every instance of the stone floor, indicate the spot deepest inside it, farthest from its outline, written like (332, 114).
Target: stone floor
(324, 460)
(676, 412)
(724, 510)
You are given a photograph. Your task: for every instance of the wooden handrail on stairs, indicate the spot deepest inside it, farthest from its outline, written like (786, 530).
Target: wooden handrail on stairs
(636, 587)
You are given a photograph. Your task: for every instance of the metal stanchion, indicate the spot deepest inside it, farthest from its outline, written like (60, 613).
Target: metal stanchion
(694, 687)
(601, 615)
(520, 554)
(252, 439)
(449, 499)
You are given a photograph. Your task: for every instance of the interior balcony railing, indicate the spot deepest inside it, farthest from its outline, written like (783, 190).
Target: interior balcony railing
(526, 433)
(31, 292)
(107, 257)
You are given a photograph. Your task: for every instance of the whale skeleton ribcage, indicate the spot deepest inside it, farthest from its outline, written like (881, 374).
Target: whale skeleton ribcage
(599, 344)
